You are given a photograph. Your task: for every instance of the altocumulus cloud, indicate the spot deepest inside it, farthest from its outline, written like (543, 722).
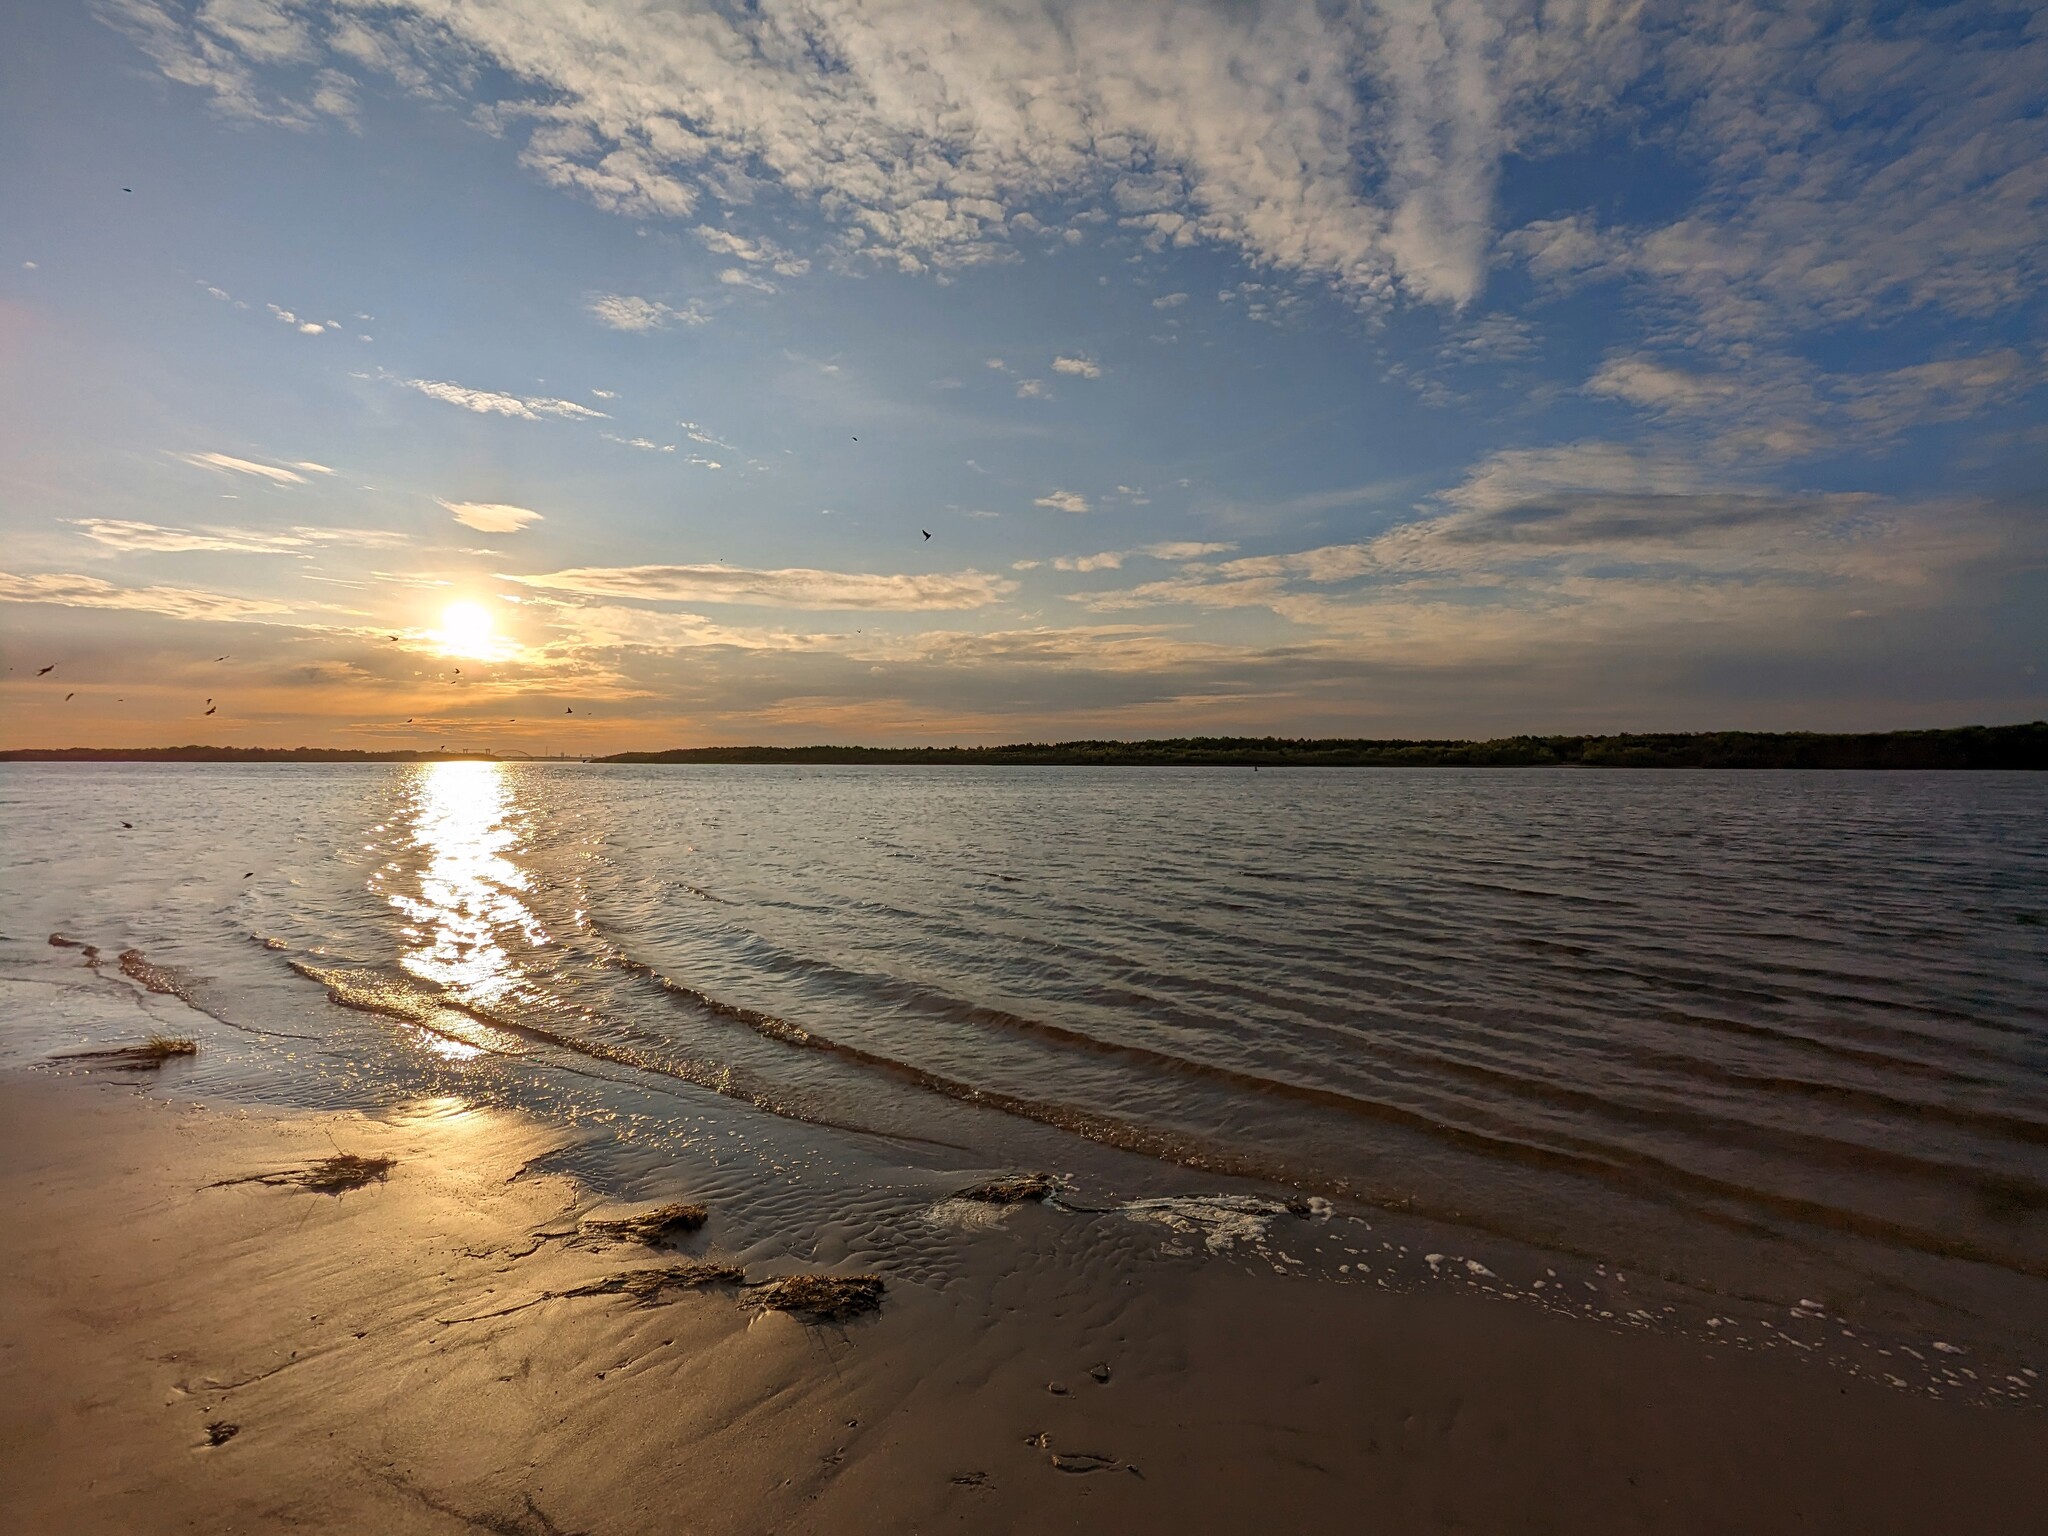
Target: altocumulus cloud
(490, 516)
(791, 588)
(1358, 145)
(627, 312)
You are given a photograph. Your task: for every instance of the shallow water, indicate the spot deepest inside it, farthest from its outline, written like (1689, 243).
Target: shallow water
(1772, 1036)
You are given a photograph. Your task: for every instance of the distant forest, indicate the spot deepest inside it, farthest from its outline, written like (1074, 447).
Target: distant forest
(232, 755)
(1975, 746)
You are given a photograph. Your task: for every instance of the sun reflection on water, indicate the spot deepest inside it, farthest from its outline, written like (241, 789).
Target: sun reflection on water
(468, 907)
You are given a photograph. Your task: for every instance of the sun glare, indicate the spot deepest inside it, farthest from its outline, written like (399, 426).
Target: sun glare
(467, 630)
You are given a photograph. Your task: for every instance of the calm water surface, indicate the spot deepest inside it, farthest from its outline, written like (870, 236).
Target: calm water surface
(1767, 1034)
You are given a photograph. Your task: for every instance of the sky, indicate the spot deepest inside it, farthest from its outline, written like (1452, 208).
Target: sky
(588, 375)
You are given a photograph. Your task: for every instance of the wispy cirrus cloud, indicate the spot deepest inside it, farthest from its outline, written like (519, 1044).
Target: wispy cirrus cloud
(152, 538)
(72, 591)
(490, 516)
(1063, 501)
(232, 465)
(1113, 559)
(789, 588)
(487, 402)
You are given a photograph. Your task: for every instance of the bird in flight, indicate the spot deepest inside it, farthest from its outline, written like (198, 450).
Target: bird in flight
(391, 637)
(211, 708)
(128, 189)
(569, 711)
(129, 825)
(50, 668)
(926, 532)
(220, 658)
(69, 697)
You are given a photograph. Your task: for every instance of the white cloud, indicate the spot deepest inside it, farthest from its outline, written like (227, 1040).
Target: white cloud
(646, 443)
(1169, 301)
(132, 537)
(1033, 389)
(228, 462)
(173, 602)
(1063, 501)
(310, 467)
(793, 588)
(736, 277)
(1080, 367)
(625, 312)
(1113, 559)
(487, 402)
(490, 516)
(756, 252)
(1238, 126)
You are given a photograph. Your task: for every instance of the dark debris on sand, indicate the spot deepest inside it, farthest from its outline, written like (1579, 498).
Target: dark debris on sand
(334, 1175)
(647, 1286)
(1013, 1189)
(647, 1226)
(146, 1057)
(345, 1171)
(822, 1298)
(220, 1432)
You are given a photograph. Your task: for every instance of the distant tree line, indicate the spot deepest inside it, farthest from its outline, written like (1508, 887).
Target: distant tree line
(1977, 746)
(230, 755)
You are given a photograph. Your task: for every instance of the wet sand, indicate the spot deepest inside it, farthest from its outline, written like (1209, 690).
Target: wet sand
(399, 1358)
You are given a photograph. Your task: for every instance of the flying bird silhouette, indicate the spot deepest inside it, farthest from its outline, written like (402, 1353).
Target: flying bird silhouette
(569, 711)
(220, 658)
(69, 697)
(50, 668)
(212, 708)
(925, 531)
(129, 825)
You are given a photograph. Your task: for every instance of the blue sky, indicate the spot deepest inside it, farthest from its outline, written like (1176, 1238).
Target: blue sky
(1313, 369)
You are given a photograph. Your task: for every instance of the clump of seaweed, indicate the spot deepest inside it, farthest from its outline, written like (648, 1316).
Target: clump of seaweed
(647, 1226)
(1013, 1189)
(647, 1286)
(146, 1057)
(344, 1171)
(334, 1175)
(822, 1298)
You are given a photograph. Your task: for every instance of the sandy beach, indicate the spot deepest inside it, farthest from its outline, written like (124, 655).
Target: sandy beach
(402, 1357)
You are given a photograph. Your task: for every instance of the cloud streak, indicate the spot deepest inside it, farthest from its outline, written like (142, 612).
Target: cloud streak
(487, 402)
(789, 588)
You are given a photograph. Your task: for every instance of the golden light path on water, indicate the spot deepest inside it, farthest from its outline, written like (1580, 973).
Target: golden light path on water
(468, 904)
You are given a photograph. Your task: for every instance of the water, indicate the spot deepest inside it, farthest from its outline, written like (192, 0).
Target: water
(1773, 1037)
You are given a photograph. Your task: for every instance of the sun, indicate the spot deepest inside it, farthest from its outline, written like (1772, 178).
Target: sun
(467, 630)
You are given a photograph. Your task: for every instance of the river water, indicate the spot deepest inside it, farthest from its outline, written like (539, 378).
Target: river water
(1778, 1038)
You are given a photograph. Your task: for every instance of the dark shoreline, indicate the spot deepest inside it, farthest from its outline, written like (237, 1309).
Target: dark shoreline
(1977, 747)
